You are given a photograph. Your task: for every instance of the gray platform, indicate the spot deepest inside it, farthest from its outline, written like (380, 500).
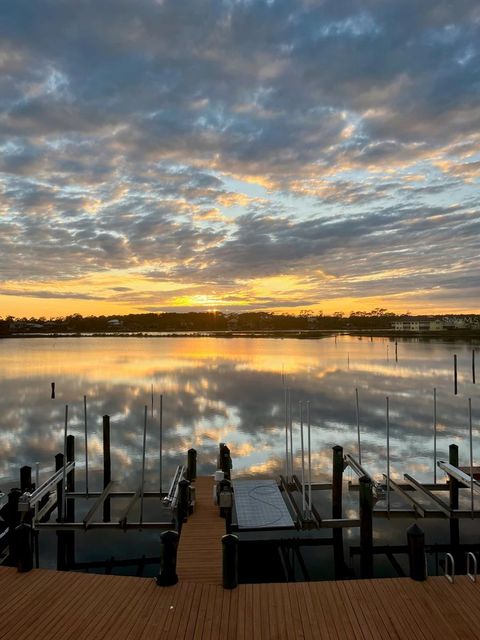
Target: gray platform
(260, 505)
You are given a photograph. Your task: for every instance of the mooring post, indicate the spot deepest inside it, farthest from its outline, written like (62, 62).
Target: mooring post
(168, 559)
(453, 494)
(473, 366)
(107, 465)
(70, 510)
(337, 485)
(26, 478)
(52, 394)
(13, 519)
(230, 561)
(182, 503)
(416, 553)
(225, 461)
(58, 466)
(366, 527)
(24, 550)
(191, 464)
(455, 379)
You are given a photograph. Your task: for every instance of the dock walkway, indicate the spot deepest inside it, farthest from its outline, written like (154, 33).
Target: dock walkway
(60, 605)
(199, 558)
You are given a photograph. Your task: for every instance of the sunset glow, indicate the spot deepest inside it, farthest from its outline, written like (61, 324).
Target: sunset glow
(281, 155)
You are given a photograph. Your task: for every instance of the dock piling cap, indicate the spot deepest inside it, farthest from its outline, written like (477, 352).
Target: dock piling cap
(415, 531)
(219, 476)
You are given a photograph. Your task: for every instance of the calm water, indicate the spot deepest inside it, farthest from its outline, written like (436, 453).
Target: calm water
(232, 390)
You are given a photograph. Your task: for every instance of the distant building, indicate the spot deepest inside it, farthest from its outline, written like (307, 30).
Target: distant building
(418, 325)
(115, 322)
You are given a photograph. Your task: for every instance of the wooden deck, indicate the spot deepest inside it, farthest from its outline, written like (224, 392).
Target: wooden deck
(199, 558)
(53, 605)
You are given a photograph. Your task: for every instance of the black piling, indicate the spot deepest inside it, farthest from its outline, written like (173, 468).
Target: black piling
(455, 377)
(366, 527)
(24, 549)
(26, 479)
(230, 561)
(396, 351)
(337, 486)
(191, 465)
(107, 465)
(168, 559)
(12, 518)
(182, 503)
(416, 553)
(70, 507)
(224, 460)
(61, 560)
(52, 395)
(473, 366)
(453, 495)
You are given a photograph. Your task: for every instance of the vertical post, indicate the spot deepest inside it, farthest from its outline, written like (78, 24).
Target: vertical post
(455, 379)
(70, 510)
(285, 391)
(86, 441)
(473, 366)
(454, 491)
(309, 465)
(191, 465)
(337, 486)
(161, 443)
(434, 436)
(290, 424)
(230, 561)
(396, 351)
(23, 536)
(471, 453)
(107, 465)
(152, 402)
(25, 478)
(416, 553)
(182, 503)
(366, 527)
(357, 408)
(65, 452)
(52, 394)
(168, 559)
(388, 456)
(13, 519)
(144, 445)
(303, 457)
(59, 463)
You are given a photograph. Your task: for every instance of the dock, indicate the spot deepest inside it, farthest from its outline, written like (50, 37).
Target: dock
(199, 558)
(58, 605)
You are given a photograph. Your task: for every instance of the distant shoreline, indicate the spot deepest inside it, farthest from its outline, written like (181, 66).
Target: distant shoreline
(444, 336)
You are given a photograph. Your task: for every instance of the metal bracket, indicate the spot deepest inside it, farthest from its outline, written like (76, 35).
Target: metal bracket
(472, 576)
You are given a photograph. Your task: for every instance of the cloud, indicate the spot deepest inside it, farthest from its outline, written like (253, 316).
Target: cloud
(215, 142)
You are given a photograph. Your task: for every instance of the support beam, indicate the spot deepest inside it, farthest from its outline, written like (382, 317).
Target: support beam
(418, 508)
(98, 503)
(441, 505)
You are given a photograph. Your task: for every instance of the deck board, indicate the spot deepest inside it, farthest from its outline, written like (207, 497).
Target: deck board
(48, 604)
(199, 556)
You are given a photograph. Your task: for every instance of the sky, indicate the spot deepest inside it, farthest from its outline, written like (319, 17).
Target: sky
(239, 155)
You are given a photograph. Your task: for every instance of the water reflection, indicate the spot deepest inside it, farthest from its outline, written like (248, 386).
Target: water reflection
(232, 390)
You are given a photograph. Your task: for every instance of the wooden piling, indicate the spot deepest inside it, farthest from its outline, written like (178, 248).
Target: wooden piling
(230, 561)
(191, 465)
(168, 559)
(473, 366)
(52, 394)
(61, 561)
(453, 494)
(337, 486)
(13, 519)
(366, 527)
(416, 553)
(107, 465)
(182, 503)
(455, 377)
(24, 550)
(25, 478)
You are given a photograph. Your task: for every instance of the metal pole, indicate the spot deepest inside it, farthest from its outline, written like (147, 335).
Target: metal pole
(303, 455)
(64, 458)
(471, 451)
(37, 475)
(309, 458)
(434, 436)
(286, 432)
(291, 430)
(358, 426)
(86, 442)
(142, 489)
(473, 366)
(152, 400)
(388, 457)
(161, 444)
